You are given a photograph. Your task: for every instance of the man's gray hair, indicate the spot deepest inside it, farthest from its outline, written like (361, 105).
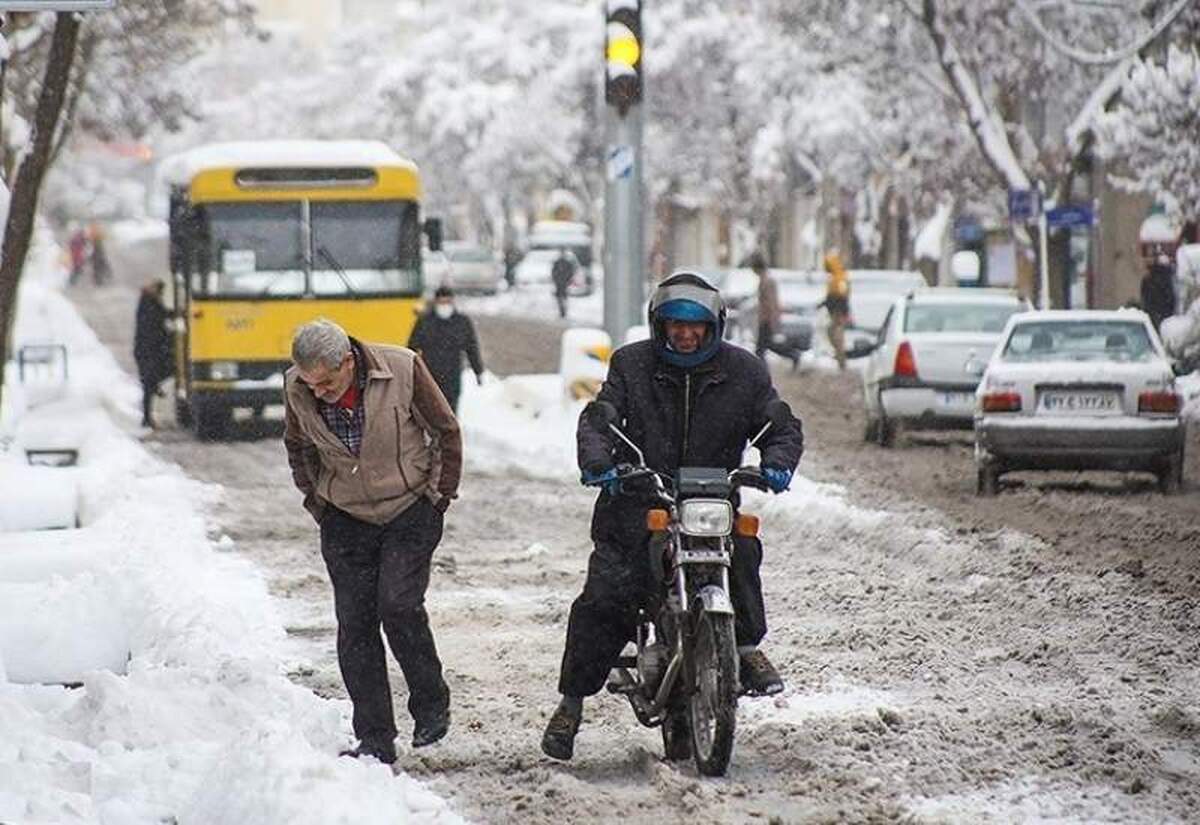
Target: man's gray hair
(320, 342)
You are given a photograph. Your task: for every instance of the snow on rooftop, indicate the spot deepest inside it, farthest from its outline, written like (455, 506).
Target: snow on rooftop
(181, 168)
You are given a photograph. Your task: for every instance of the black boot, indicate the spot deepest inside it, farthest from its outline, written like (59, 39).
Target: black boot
(431, 729)
(385, 752)
(558, 741)
(759, 677)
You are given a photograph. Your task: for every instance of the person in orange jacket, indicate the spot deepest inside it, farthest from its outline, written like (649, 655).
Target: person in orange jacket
(837, 304)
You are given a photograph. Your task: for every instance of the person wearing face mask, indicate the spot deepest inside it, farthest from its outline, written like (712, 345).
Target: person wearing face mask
(442, 336)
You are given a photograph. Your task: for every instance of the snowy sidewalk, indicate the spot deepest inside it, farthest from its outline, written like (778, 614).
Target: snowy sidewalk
(184, 713)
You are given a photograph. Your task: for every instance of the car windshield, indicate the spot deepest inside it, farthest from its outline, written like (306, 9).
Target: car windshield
(957, 317)
(1079, 341)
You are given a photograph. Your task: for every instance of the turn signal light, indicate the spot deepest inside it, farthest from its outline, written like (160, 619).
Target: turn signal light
(657, 521)
(906, 362)
(1163, 402)
(1002, 402)
(747, 525)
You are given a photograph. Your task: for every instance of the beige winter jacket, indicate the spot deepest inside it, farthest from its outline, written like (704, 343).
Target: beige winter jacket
(411, 446)
(768, 303)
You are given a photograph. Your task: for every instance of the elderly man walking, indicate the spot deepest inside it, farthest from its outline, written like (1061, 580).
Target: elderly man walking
(376, 451)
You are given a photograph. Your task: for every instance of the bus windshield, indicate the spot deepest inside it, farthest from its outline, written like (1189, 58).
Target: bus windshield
(353, 248)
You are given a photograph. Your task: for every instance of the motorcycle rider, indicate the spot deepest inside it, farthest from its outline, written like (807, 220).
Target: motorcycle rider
(687, 398)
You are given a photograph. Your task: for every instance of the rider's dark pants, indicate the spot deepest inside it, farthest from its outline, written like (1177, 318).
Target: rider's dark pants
(619, 582)
(380, 574)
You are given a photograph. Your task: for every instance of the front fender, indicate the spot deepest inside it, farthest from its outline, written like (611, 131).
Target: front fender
(715, 600)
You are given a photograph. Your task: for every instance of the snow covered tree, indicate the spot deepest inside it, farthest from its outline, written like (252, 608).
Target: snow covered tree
(1154, 128)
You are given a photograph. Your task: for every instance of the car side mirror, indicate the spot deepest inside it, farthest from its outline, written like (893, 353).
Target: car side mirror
(1180, 368)
(432, 227)
(862, 349)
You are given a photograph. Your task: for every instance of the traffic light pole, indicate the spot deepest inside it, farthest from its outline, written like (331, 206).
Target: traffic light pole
(624, 280)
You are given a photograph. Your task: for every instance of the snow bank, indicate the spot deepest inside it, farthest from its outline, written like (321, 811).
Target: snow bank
(185, 713)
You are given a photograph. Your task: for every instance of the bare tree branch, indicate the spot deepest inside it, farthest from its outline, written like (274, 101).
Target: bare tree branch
(1114, 56)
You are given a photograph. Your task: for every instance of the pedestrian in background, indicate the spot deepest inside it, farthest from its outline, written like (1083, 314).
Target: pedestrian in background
(1158, 289)
(562, 273)
(770, 314)
(152, 349)
(837, 304)
(442, 336)
(379, 494)
(77, 248)
(101, 269)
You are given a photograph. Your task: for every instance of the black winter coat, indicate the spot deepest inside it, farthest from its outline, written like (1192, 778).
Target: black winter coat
(1158, 293)
(702, 417)
(442, 344)
(152, 349)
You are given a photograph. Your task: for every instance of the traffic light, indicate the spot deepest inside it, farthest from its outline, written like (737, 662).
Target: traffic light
(623, 53)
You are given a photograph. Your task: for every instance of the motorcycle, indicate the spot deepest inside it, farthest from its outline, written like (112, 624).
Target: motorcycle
(684, 675)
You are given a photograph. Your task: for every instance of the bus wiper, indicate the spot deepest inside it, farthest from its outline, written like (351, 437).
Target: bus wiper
(332, 261)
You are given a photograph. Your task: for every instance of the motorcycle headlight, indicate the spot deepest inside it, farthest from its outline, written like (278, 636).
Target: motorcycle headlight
(223, 371)
(706, 517)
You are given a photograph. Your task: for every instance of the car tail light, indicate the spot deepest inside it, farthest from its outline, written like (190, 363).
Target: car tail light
(1163, 402)
(1001, 402)
(906, 362)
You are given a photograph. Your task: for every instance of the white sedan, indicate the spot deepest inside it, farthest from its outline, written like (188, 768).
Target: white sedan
(925, 364)
(1079, 390)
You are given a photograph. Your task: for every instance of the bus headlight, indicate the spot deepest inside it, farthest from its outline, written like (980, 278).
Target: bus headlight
(706, 517)
(223, 371)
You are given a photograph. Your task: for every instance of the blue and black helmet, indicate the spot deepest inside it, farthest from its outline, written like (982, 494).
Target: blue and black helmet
(686, 296)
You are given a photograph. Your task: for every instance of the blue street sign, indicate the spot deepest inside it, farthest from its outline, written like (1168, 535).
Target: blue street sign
(1022, 204)
(1061, 217)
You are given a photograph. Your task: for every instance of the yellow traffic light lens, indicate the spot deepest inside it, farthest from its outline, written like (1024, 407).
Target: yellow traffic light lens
(623, 47)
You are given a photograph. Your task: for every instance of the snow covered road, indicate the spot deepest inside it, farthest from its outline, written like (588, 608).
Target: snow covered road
(942, 666)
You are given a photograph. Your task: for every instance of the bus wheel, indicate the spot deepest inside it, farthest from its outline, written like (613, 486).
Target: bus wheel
(211, 420)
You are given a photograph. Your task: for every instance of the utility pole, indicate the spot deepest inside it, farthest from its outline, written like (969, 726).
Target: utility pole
(624, 278)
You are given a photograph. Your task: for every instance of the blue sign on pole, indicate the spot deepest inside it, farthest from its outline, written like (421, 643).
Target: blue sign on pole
(1022, 204)
(1071, 215)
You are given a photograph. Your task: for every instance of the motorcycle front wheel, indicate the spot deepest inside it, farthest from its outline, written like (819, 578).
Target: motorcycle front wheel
(713, 703)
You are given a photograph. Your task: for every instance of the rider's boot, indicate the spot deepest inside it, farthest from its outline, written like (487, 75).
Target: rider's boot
(559, 739)
(759, 676)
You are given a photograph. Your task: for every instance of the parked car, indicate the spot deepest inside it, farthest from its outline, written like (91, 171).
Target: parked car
(930, 351)
(1079, 390)
(872, 294)
(465, 267)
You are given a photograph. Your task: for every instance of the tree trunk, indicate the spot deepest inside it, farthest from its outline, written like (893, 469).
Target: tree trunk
(22, 210)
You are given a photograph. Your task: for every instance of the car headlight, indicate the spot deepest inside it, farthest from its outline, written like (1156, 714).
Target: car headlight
(223, 371)
(706, 517)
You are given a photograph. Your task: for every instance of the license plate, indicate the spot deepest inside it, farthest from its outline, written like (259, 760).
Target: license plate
(956, 400)
(1080, 403)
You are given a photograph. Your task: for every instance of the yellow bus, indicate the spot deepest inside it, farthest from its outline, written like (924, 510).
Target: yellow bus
(267, 235)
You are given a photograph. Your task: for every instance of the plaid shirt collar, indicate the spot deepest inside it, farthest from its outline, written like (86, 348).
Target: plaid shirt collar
(348, 424)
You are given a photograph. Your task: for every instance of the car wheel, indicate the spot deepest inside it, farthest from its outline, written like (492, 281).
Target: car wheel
(871, 430)
(1170, 476)
(987, 480)
(887, 432)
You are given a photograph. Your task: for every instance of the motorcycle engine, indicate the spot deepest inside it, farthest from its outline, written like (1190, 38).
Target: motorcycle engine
(652, 664)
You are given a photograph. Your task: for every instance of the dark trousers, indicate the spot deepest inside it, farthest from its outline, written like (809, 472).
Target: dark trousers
(380, 574)
(619, 582)
(149, 390)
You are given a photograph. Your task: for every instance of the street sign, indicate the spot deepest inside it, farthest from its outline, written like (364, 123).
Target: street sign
(1062, 217)
(619, 162)
(55, 5)
(1022, 204)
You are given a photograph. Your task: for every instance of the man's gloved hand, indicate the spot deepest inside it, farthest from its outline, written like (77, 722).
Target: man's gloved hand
(607, 480)
(777, 478)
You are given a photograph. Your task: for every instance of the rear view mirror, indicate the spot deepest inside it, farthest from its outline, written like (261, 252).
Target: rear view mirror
(433, 231)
